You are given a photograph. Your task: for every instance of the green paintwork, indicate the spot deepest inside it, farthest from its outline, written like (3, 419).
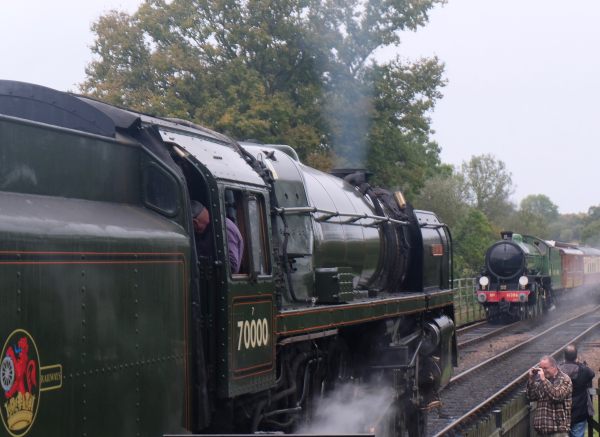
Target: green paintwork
(535, 254)
(100, 287)
(334, 285)
(334, 316)
(542, 258)
(312, 244)
(555, 267)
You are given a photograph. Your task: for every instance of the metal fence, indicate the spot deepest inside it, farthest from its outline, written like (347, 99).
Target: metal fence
(466, 307)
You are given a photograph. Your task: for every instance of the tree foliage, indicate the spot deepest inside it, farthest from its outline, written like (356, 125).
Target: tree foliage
(590, 234)
(444, 194)
(540, 205)
(399, 145)
(536, 213)
(489, 186)
(472, 236)
(299, 72)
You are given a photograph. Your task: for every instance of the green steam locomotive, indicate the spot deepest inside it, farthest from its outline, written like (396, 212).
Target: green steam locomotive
(524, 275)
(113, 324)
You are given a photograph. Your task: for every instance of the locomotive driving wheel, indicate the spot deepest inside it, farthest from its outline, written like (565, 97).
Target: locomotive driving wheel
(535, 309)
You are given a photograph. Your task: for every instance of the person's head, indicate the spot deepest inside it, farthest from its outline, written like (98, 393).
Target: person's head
(549, 366)
(571, 353)
(200, 216)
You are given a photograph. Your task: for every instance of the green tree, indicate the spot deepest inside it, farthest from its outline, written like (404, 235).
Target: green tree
(590, 234)
(472, 237)
(594, 213)
(400, 149)
(489, 185)
(535, 215)
(527, 223)
(299, 72)
(541, 206)
(444, 194)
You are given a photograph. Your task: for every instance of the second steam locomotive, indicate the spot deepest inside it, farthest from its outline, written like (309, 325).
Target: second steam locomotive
(523, 275)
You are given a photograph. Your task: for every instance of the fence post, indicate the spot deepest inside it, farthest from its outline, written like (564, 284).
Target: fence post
(594, 424)
(471, 281)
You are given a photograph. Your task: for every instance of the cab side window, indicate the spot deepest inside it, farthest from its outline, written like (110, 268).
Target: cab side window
(160, 190)
(259, 243)
(246, 210)
(236, 232)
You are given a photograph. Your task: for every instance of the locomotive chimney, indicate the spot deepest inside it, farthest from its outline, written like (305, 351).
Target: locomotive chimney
(506, 235)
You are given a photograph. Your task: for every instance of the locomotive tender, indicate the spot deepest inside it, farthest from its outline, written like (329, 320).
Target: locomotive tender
(113, 325)
(524, 274)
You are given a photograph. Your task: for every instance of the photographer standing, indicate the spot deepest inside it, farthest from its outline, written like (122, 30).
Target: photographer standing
(551, 388)
(581, 377)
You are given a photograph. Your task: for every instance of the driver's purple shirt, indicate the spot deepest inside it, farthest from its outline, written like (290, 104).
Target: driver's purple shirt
(235, 245)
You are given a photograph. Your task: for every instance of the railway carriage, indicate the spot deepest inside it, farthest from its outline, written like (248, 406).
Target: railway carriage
(113, 325)
(591, 266)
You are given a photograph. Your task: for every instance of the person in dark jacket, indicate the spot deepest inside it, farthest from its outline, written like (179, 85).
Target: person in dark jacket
(581, 377)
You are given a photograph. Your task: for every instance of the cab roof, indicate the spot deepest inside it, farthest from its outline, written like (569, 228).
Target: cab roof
(221, 155)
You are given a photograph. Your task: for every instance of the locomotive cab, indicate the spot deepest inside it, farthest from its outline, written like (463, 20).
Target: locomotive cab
(239, 306)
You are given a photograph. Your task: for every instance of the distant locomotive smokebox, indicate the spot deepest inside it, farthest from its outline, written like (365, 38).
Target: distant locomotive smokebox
(505, 259)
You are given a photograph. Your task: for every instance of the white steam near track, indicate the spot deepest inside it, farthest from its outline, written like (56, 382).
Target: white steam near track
(350, 409)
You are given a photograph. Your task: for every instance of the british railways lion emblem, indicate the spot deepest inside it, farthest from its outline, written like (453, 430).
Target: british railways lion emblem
(20, 379)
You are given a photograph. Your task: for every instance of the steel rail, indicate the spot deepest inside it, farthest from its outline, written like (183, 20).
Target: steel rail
(470, 327)
(486, 335)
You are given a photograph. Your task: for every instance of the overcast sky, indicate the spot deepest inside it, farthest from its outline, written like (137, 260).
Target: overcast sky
(522, 80)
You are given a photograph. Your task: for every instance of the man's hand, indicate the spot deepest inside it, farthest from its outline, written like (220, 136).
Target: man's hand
(542, 375)
(532, 372)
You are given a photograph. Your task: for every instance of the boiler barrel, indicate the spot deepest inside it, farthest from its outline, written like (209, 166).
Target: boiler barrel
(337, 244)
(309, 240)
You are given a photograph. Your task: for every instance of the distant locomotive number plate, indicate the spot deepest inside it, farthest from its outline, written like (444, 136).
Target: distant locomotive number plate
(252, 335)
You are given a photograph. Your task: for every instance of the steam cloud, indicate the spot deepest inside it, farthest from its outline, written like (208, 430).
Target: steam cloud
(350, 409)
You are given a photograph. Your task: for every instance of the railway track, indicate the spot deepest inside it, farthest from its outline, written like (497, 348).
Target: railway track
(472, 326)
(473, 391)
(481, 331)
